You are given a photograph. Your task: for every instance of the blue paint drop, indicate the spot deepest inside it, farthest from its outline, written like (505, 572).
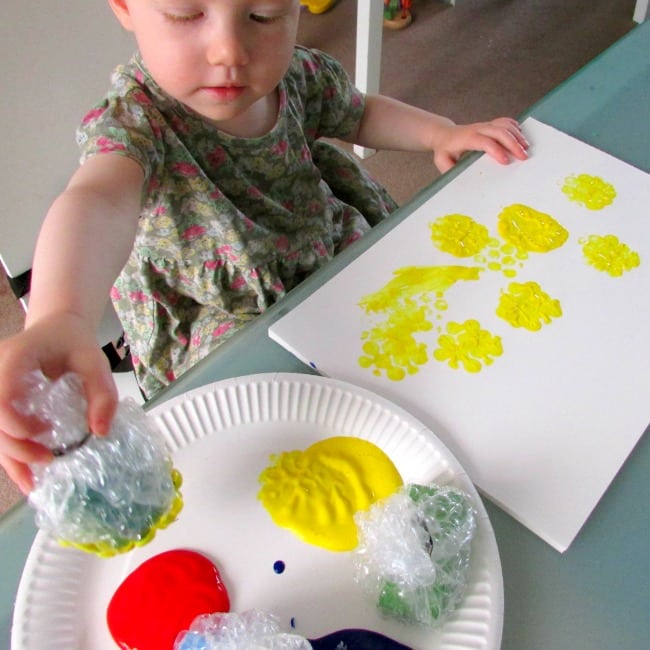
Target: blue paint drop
(313, 365)
(293, 622)
(356, 640)
(278, 566)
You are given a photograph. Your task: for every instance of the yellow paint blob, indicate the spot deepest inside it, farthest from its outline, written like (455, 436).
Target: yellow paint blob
(411, 281)
(315, 493)
(459, 235)
(530, 230)
(526, 305)
(467, 346)
(590, 191)
(608, 254)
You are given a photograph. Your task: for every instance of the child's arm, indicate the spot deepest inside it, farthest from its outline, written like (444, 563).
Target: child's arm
(390, 124)
(85, 240)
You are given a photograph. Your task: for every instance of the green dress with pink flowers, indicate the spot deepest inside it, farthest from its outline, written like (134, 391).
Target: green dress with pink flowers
(228, 225)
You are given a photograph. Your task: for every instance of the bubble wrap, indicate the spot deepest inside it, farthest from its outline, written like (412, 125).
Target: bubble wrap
(414, 552)
(250, 630)
(103, 495)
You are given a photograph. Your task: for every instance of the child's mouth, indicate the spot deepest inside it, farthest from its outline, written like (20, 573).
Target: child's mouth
(224, 93)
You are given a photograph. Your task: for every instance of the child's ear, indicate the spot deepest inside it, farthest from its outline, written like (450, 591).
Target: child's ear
(122, 12)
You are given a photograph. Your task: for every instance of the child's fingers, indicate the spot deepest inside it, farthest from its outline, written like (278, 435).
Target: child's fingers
(19, 473)
(23, 451)
(510, 135)
(101, 409)
(443, 161)
(99, 388)
(502, 143)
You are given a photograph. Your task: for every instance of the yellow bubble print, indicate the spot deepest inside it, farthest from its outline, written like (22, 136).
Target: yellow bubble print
(459, 235)
(526, 305)
(529, 230)
(468, 346)
(501, 258)
(591, 192)
(608, 254)
(411, 281)
(391, 346)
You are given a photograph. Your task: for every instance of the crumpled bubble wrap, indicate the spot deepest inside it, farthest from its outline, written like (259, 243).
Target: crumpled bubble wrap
(414, 552)
(250, 630)
(103, 495)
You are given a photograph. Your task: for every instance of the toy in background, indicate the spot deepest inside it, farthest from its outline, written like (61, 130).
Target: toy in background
(318, 6)
(397, 13)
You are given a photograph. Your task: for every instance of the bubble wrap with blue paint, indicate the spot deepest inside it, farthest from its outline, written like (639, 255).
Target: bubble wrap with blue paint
(103, 495)
(232, 631)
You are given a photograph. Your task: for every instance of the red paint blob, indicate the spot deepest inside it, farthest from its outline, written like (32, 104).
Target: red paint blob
(162, 597)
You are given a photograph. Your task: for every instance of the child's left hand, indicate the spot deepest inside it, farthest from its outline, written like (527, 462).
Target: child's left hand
(500, 138)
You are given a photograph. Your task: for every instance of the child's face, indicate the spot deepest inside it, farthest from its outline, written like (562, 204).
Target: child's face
(221, 58)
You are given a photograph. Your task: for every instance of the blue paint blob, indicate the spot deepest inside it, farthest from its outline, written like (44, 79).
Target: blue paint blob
(278, 566)
(313, 365)
(293, 622)
(356, 640)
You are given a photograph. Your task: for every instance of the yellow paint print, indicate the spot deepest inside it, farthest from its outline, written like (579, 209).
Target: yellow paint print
(467, 346)
(526, 305)
(459, 235)
(391, 346)
(608, 254)
(591, 192)
(411, 281)
(501, 258)
(529, 230)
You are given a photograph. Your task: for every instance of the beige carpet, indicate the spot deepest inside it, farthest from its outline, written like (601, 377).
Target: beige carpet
(478, 60)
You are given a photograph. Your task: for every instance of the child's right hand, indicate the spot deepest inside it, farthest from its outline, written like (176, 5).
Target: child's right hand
(55, 344)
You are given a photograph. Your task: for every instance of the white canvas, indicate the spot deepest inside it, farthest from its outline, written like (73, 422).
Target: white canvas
(544, 427)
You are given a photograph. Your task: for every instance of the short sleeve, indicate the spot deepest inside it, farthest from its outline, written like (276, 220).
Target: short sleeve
(126, 122)
(333, 105)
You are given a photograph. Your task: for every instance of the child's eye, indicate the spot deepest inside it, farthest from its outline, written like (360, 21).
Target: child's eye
(259, 18)
(183, 18)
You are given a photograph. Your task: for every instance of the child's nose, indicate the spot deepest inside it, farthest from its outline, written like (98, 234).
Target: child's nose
(227, 48)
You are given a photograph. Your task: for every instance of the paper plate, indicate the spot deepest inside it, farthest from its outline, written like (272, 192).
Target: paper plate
(222, 436)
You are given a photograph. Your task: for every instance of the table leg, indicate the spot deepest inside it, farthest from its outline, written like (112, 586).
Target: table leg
(640, 11)
(370, 14)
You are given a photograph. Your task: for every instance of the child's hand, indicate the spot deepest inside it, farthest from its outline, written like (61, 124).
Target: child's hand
(55, 345)
(501, 139)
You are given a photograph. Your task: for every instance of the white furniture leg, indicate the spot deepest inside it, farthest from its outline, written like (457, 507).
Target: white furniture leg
(370, 17)
(640, 11)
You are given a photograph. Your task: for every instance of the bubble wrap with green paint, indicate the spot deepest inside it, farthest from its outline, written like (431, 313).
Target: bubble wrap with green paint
(414, 552)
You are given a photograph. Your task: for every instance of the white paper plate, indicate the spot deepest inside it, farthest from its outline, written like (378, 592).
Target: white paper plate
(221, 437)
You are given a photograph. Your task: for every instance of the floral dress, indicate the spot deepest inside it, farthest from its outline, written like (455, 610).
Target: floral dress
(228, 225)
